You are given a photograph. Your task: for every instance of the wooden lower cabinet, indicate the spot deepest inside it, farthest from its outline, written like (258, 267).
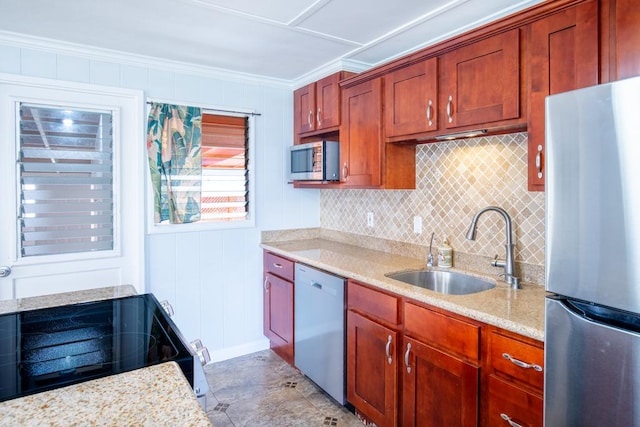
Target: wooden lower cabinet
(413, 365)
(278, 305)
(278, 316)
(372, 382)
(437, 388)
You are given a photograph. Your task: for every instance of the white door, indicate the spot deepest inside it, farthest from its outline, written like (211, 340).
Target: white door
(72, 176)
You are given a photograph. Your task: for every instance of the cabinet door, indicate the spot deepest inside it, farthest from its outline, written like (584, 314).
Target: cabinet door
(278, 315)
(563, 55)
(481, 81)
(372, 384)
(304, 109)
(437, 389)
(361, 134)
(328, 102)
(411, 99)
(627, 38)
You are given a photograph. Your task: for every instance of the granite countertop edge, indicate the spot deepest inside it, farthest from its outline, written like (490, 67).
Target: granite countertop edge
(520, 311)
(158, 395)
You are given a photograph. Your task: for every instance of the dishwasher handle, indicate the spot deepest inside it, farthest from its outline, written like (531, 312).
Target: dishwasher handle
(316, 284)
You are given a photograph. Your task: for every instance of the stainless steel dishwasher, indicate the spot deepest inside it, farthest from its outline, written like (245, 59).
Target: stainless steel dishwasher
(319, 334)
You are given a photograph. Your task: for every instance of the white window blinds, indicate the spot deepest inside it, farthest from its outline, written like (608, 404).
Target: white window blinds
(66, 181)
(224, 168)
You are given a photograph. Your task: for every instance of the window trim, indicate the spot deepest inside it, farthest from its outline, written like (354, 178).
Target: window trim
(250, 221)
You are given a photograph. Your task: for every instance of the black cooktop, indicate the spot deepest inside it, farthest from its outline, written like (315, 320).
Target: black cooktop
(54, 347)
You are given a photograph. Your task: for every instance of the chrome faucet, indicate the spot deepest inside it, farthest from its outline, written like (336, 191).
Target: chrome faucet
(430, 256)
(509, 262)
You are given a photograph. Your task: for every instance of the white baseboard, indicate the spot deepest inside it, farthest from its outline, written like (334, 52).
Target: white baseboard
(241, 350)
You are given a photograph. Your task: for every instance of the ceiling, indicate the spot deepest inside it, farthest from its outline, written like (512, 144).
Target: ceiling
(277, 39)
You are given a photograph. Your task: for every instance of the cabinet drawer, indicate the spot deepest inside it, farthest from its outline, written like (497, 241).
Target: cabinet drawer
(446, 332)
(510, 403)
(374, 304)
(517, 359)
(278, 265)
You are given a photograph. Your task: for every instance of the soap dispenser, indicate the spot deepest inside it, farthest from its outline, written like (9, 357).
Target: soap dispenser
(445, 254)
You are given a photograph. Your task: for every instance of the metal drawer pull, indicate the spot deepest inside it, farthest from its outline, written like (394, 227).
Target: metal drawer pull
(522, 364)
(507, 419)
(450, 108)
(277, 265)
(266, 284)
(430, 113)
(406, 358)
(388, 350)
(539, 161)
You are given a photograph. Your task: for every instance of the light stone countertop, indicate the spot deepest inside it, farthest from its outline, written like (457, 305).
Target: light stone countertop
(155, 396)
(520, 311)
(158, 395)
(75, 297)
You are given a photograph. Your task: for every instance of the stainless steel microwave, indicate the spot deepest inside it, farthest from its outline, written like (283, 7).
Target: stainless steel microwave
(315, 161)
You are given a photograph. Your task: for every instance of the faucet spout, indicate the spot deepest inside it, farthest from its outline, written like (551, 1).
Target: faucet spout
(509, 262)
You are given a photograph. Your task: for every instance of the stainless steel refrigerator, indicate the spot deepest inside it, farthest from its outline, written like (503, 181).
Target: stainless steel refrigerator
(592, 257)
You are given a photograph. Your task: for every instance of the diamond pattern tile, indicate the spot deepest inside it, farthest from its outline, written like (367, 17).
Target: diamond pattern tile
(453, 181)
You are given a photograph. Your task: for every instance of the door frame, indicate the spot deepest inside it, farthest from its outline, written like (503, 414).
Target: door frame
(125, 264)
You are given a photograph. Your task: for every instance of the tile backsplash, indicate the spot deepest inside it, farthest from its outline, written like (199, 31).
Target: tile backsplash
(454, 180)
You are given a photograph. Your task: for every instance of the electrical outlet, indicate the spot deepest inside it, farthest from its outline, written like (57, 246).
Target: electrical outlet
(417, 224)
(369, 219)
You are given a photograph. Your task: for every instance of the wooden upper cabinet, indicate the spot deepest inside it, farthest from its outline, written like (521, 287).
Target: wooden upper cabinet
(366, 161)
(562, 55)
(361, 134)
(304, 107)
(316, 106)
(626, 38)
(328, 102)
(480, 82)
(411, 99)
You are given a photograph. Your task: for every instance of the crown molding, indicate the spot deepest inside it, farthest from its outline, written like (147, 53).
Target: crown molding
(25, 41)
(330, 68)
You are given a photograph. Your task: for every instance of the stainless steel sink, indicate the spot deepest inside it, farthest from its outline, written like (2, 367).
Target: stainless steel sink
(445, 282)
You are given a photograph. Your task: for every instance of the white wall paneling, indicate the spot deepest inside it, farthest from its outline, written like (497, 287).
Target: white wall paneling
(212, 278)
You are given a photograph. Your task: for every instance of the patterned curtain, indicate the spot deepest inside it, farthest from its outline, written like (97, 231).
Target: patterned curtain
(173, 145)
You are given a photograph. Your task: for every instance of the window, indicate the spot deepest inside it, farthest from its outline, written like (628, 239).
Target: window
(66, 180)
(201, 169)
(224, 168)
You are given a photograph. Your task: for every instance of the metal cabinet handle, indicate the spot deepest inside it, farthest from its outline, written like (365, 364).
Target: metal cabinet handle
(522, 364)
(266, 284)
(345, 171)
(278, 265)
(388, 350)
(509, 420)
(406, 358)
(539, 161)
(310, 118)
(450, 108)
(319, 117)
(430, 113)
